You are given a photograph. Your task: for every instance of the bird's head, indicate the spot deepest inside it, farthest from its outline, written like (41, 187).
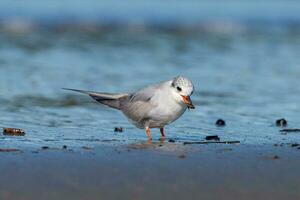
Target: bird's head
(183, 88)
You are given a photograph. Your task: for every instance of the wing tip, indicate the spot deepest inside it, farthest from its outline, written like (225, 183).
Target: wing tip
(76, 90)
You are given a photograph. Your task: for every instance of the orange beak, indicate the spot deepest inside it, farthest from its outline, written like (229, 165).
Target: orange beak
(187, 100)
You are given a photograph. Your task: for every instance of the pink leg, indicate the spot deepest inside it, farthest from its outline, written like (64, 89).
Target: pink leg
(162, 131)
(148, 133)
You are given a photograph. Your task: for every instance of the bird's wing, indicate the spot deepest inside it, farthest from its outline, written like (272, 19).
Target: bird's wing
(139, 104)
(144, 95)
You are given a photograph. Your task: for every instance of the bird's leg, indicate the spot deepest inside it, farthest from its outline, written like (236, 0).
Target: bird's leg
(148, 133)
(162, 131)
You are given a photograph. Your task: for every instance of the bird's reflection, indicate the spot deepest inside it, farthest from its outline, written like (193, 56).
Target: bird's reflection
(149, 144)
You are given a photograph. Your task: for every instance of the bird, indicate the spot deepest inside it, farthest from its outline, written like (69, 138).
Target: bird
(154, 106)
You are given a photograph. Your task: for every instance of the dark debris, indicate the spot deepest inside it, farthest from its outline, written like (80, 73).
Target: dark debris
(118, 129)
(281, 122)
(220, 122)
(290, 130)
(13, 131)
(212, 137)
(213, 142)
(10, 150)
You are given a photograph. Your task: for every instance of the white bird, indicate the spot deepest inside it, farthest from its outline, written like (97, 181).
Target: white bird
(152, 107)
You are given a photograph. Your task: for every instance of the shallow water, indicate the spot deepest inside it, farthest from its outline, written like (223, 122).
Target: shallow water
(245, 73)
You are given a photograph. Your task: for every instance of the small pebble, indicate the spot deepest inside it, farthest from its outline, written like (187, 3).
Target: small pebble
(171, 140)
(294, 145)
(281, 122)
(118, 129)
(212, 137)
(182, 156)
(65, 147)
(275, 157)
(220, 122)
(45, 147)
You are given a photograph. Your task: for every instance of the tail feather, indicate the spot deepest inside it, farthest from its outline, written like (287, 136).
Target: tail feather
(109, 99)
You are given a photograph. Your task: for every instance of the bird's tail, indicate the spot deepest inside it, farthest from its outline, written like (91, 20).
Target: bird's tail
(109, 99)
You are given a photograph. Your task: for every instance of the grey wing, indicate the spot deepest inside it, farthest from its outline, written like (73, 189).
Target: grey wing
(138, 105)
(144, 95)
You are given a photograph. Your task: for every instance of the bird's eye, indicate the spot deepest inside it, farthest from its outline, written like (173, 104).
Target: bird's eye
(178, 88)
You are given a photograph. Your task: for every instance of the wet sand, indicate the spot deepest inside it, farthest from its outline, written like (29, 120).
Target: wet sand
(157, 171)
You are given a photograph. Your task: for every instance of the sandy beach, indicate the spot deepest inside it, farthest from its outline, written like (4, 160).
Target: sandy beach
(156, 171)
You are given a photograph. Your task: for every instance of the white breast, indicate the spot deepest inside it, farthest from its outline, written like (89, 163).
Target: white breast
(166, 111)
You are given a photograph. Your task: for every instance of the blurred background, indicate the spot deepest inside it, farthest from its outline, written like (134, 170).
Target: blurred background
(243, 57)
